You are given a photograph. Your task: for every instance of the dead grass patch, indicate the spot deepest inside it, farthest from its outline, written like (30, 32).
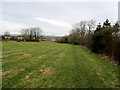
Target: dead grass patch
(60, 55)
(6, 72)
(3, 56)
(108, 58)
(28, 76)
(0, 74)
(7, 52)
(10, 51)
(23, 56)
(10, 74)
(47, 72)
(25, 64)
(0, 56)
(42, 56)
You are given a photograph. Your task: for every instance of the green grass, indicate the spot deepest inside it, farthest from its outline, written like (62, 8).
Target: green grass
(49, 64)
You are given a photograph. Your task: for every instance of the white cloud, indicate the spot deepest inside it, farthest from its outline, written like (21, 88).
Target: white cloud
(59, 0)
(51, 13)
(56, 23)
(12, 27)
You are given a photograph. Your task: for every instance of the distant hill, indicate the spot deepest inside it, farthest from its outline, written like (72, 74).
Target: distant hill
(11, 34)
(49, 37)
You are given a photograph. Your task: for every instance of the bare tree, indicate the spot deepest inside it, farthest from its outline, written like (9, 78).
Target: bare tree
(31, 34)
(81, 27)
(77, 33)
(91, 25)
(81, 33)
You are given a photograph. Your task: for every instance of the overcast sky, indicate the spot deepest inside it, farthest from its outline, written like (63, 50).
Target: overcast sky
(54, 18)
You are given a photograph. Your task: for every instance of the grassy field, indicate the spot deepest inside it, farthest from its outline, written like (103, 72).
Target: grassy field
(54, 65)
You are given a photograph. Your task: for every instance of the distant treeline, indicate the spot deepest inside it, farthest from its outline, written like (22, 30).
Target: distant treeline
(33, 34)
(104, 39)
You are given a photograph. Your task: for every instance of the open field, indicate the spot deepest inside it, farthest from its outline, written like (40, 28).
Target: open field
(49, 64)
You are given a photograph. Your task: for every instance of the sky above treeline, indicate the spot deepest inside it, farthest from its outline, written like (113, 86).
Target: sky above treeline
(54, 18)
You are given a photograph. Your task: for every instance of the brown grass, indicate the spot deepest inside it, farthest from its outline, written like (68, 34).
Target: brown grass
(42, 56)
(47, 72)
(23, 56)
(10, 73)
(60, 55)
(10, 51)
(3, 56)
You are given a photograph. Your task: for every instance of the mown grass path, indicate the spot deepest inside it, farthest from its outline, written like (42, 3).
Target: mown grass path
(48, 64)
